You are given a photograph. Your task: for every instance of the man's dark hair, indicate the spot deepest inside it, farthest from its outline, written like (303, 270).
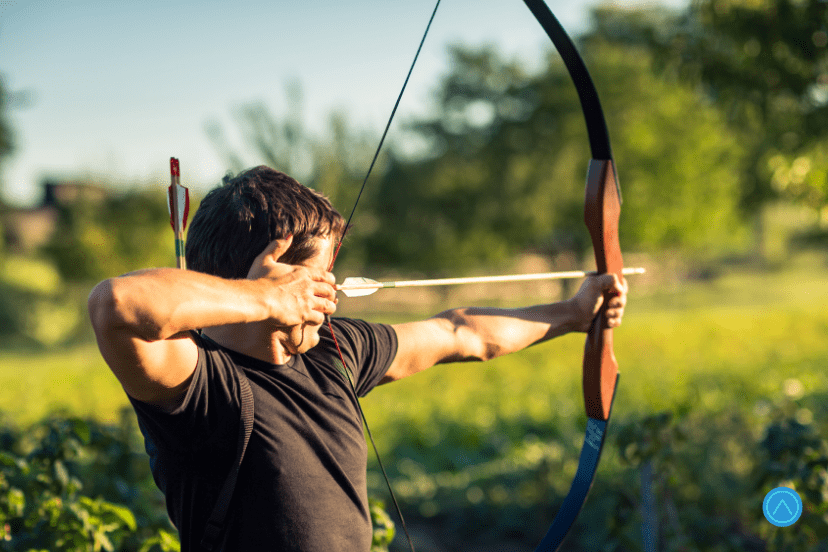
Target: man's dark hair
(236, 221)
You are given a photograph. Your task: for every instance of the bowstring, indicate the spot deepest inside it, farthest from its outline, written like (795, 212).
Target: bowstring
(347, 372)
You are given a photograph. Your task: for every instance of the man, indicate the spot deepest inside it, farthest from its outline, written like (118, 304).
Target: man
(259, 249)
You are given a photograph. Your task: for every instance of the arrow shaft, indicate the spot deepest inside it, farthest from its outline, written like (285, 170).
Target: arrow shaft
(479, 280)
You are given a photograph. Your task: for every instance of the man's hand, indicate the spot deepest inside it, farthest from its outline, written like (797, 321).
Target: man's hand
(590, 298)
(298, 295)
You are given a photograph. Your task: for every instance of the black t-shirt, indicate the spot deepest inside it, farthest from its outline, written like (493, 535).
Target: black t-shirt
(302, 484)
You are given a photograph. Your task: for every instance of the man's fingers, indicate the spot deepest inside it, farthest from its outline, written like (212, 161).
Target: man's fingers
(316, 316)
(612, 282)
(326, 306)
(318, 307)
(615, 306)
(277, 248)
(273, 251)
(323, 276)
(324, 290)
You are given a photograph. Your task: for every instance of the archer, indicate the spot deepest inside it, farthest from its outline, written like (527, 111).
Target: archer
(258, 289)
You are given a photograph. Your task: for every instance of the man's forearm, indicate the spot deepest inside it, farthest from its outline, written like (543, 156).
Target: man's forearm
(497, 332)
(159, 303)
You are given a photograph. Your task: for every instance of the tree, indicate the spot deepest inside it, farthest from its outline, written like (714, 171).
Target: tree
(334, 163)
(507, 153)
(96, 239)
(765, 65)
(498, 168)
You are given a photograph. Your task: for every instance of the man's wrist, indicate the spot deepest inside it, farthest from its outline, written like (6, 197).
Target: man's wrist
(580, 321)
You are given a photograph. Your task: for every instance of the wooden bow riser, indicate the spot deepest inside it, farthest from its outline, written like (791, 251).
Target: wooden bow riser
(602, 209)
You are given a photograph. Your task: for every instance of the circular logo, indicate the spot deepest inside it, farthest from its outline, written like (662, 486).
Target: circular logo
(782, 506)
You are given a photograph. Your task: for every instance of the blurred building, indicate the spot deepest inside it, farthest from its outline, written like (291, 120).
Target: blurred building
(24, 230)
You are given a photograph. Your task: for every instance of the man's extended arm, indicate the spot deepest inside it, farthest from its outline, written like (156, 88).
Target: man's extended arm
(481, 333)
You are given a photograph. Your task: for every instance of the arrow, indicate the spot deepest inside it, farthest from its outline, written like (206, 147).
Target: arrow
(358, 286)
(179, 207)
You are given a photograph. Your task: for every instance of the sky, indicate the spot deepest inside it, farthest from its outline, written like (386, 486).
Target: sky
(114, 89)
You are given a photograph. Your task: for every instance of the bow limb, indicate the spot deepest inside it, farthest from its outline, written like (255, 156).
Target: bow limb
(602, 208)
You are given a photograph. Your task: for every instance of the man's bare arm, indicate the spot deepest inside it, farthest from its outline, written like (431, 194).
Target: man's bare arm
(480, 333)
(140, 318)
(156, 304)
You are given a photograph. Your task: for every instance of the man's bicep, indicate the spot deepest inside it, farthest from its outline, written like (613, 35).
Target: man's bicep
(421, 345)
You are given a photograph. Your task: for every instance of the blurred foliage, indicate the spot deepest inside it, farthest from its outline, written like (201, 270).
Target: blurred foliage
(7, 141)
(384, 528)
(803, 179)
(37, 307)
(499, 168)
(764, 64)
(712, 469)
(506, 161)
(93, 241)
(74, 485)
(43, 299)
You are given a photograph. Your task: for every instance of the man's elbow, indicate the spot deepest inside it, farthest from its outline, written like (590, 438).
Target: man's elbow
(101, 305)
(111, 309)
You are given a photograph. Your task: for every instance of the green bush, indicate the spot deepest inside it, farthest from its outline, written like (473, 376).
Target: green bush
(74, 485)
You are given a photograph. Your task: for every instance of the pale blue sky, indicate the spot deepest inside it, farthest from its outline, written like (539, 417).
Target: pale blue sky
(119, 87)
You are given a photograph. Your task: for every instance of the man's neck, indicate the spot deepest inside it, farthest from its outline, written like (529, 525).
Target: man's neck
(251, 340)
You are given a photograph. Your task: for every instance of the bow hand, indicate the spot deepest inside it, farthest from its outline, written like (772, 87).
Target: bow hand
(595, 292)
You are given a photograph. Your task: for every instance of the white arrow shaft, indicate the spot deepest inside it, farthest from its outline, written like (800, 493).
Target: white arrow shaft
(366, 284)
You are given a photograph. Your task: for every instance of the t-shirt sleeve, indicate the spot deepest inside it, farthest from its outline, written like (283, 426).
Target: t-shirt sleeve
(208, 413)
(368, 348)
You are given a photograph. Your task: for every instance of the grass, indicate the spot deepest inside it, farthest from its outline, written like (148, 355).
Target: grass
(742, 336)
(77, 381)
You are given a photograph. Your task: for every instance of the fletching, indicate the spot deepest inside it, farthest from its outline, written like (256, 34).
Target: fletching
(179, 207)
(358, 286)
(179, 198)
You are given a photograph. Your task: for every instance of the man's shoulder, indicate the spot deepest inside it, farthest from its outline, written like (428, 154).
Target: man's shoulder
(360, 333)
(357, 324)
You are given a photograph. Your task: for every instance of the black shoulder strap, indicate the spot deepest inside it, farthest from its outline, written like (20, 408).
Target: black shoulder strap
(215, 524)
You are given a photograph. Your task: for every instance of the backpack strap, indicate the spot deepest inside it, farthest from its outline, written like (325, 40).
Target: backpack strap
(215, 524)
